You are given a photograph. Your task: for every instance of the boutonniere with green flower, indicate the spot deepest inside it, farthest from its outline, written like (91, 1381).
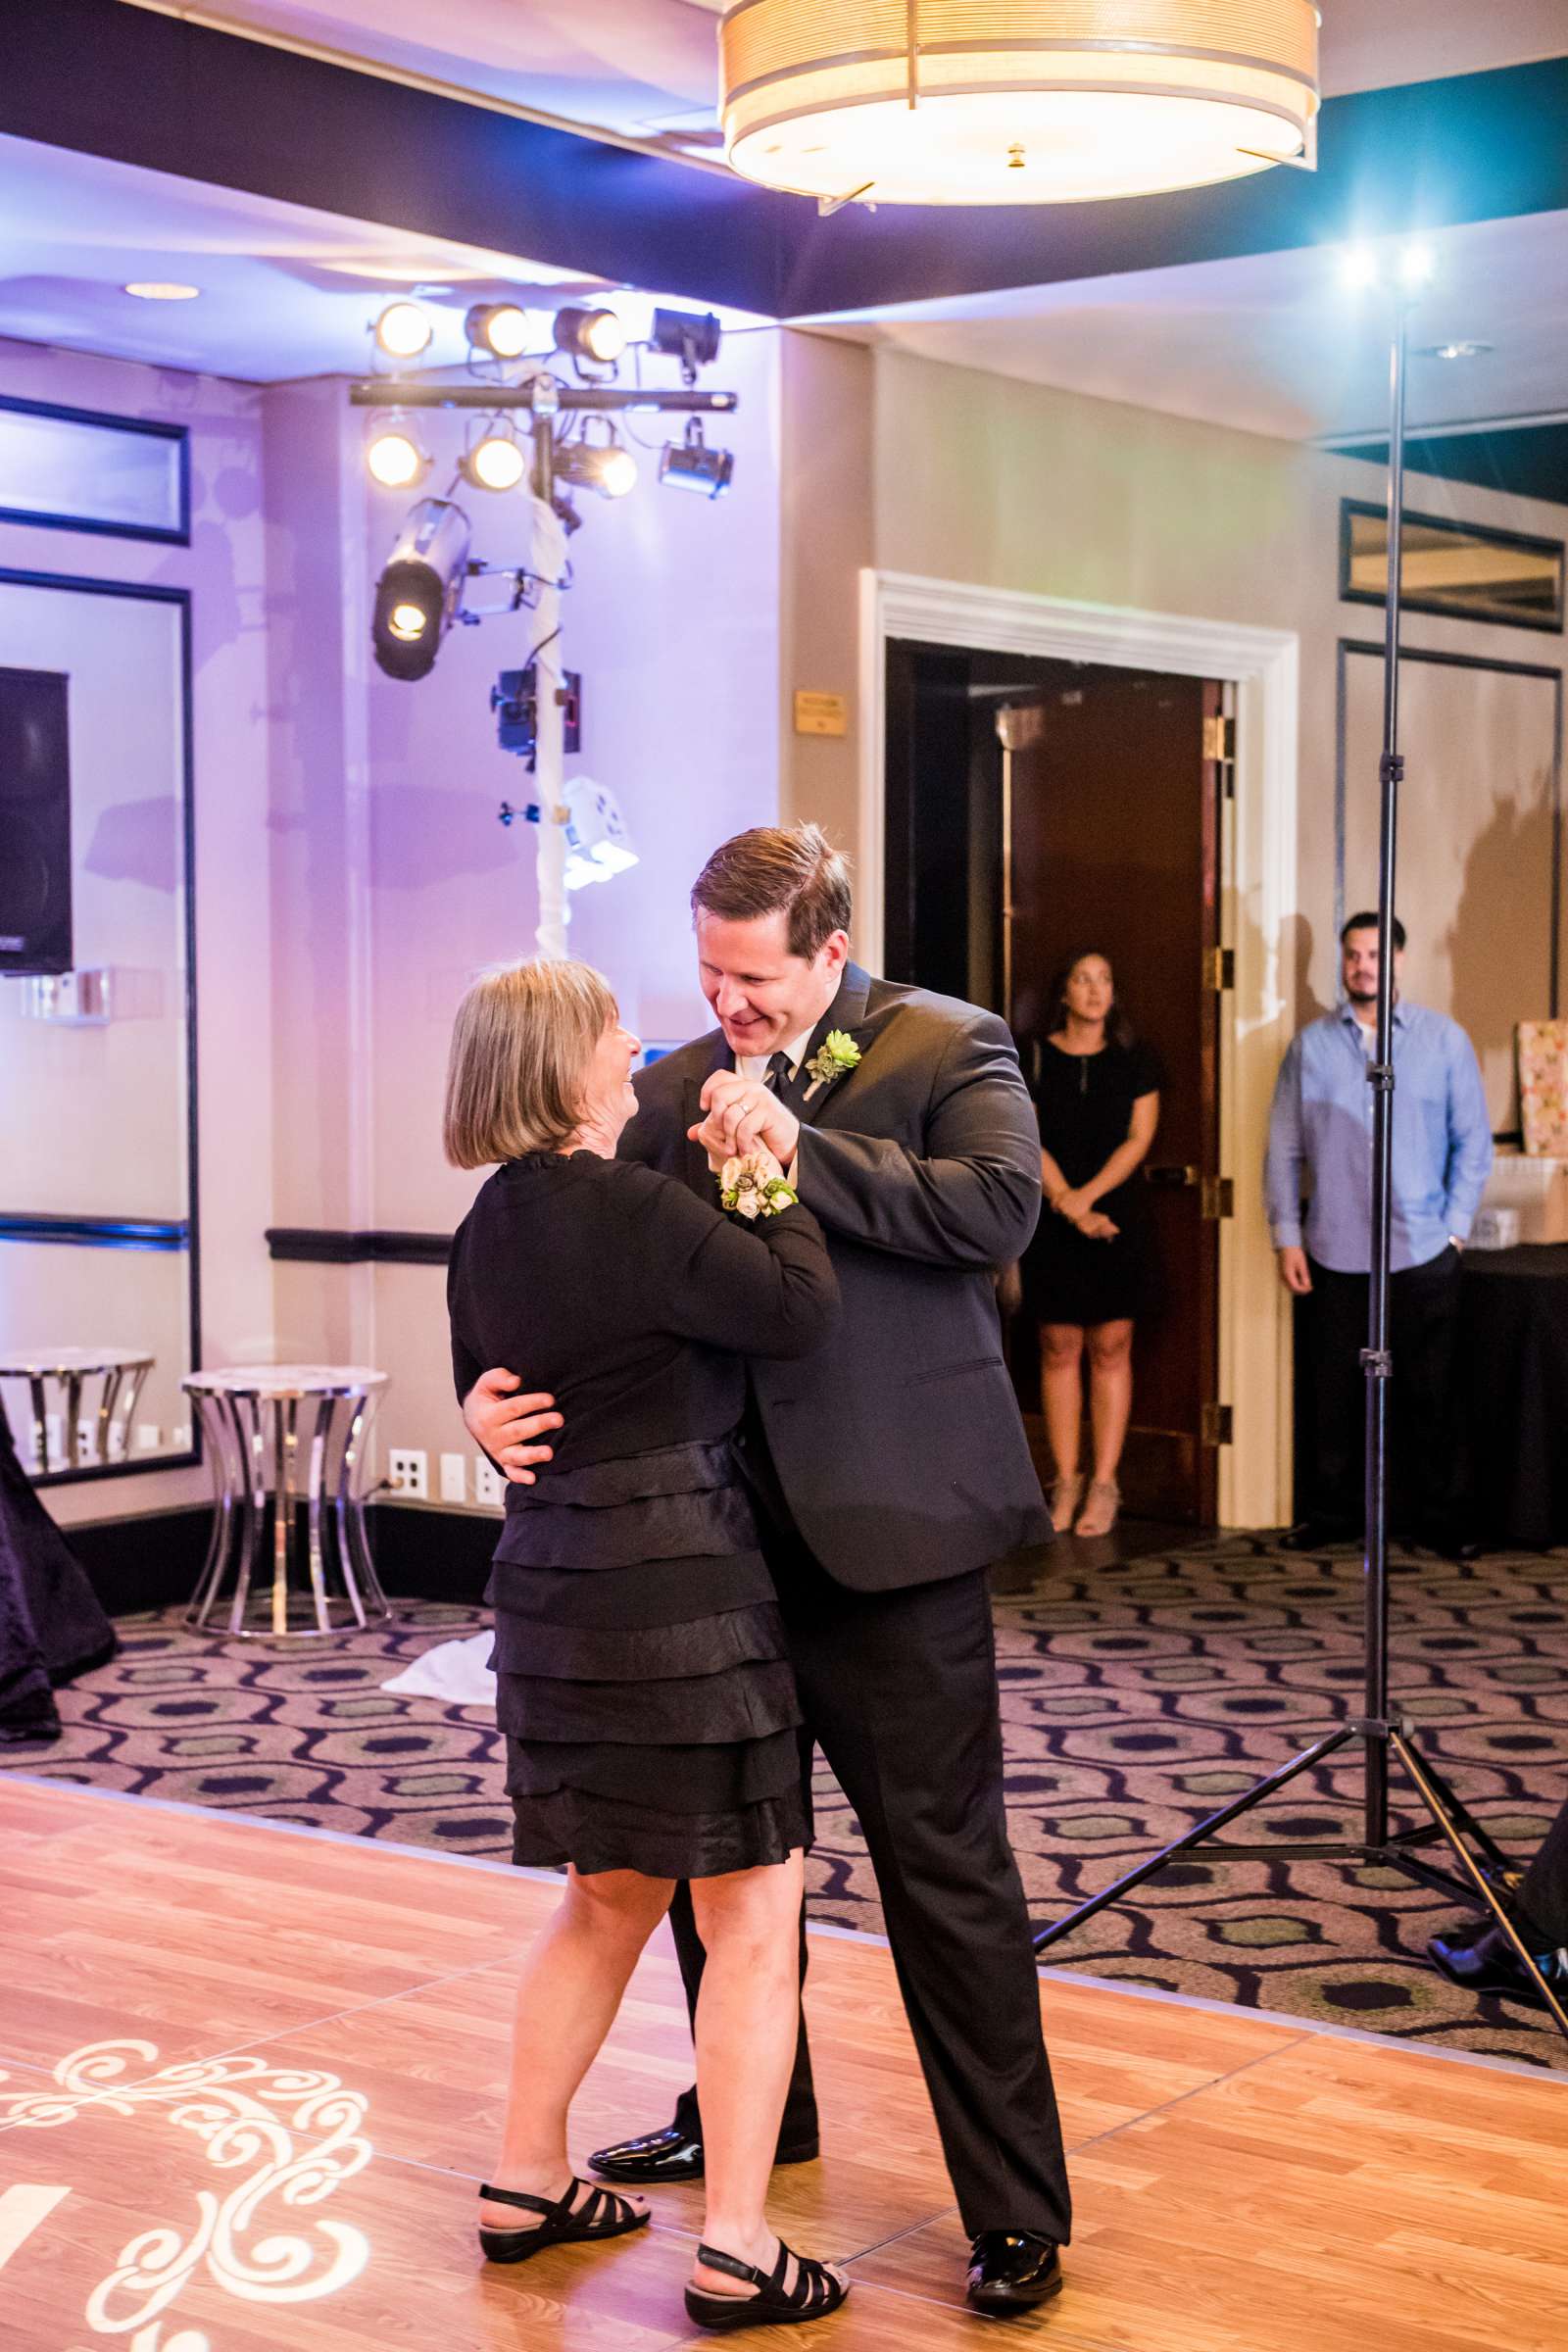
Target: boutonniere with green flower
(748, 1190)
(837, 1055)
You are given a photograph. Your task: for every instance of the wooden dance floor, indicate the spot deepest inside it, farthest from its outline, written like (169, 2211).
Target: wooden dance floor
(252, 2076)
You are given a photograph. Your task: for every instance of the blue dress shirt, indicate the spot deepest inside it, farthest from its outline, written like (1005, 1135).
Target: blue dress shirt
(1321, 1127)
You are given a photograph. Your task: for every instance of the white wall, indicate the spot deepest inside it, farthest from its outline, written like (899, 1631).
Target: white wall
(223, 567)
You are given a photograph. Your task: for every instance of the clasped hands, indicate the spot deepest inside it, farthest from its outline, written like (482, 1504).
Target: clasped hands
(744, 1115)
(1076, 1206)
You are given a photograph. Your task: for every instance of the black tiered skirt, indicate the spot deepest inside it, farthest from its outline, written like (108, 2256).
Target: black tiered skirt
(641, 1675)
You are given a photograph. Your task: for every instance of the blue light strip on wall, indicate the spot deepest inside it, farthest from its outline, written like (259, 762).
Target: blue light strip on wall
(97, 1233)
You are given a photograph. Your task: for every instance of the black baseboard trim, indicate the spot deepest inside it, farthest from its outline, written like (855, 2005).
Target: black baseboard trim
(324, 1246)
(154, 1560)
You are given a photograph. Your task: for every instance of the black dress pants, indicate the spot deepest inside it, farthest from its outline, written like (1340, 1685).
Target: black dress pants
(1427, 1496)
(1543, 1896)
(900, 1691)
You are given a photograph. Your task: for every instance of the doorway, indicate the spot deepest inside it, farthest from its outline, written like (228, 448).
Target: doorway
(1036, 808)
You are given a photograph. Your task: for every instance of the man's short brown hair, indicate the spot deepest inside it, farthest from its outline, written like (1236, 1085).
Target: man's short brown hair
(793, 870)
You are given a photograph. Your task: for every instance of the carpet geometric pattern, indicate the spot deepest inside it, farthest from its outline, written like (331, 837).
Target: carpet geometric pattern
(1137, 1696)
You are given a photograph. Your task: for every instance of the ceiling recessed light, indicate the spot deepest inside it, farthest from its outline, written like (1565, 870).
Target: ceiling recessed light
(1455, 350)
(156, 289)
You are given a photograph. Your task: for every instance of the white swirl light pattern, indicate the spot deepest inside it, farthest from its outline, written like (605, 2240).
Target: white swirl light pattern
(248, 2113)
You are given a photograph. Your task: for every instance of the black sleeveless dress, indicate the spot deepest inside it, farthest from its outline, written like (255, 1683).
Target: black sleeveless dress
(1084, 1103)
(642, 1681)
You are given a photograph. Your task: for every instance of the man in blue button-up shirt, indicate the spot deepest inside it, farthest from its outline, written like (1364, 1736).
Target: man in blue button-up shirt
(1320, 1134)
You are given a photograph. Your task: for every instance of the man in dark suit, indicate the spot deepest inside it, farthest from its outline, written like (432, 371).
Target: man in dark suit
(891, 1469)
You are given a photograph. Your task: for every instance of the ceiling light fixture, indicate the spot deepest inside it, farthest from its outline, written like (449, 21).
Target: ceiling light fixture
(159, 289)
(1454, 351)
(1014, 101)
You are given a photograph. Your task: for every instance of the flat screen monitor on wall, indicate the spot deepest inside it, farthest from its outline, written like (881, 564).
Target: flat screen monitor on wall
(35, 934)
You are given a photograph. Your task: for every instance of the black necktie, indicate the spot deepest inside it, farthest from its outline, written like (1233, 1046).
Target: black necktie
(779, 1066)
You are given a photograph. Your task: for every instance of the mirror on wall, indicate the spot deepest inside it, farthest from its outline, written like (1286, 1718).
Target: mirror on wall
(98, 1266)
(1459, 568)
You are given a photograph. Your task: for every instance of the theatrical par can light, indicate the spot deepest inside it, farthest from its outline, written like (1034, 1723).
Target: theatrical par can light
(396, 460)
(421, 588)
(1409, 268)
(497, 460)
(497, 327)
(691, 336)
(607, 466)
(598, 334)
(403, 330)
(689, 465)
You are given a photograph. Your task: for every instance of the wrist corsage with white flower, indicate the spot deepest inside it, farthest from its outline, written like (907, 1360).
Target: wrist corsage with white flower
(749, 1187)
(837, 1055)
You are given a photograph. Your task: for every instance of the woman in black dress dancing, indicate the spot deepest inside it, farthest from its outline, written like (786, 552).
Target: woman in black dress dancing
(642, 1682)
(1089, 1273)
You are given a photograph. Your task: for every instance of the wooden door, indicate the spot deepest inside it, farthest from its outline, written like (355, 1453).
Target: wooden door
(1111, 791)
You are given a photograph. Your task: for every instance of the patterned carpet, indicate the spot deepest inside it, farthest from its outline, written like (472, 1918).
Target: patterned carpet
(1137, 1695)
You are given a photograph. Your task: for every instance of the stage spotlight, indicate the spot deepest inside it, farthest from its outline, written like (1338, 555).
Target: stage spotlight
(394, 456)
(598, 335)
(1358, 266)
(689, 465)
(497, 460)
(403, 330)
(497, 327)
(1418, 266)
(607, 466)
(421, 588)
(691, 336)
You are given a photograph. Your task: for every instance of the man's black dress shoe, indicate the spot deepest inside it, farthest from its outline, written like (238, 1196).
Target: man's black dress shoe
(1480, 1959)
(672, 2154)
(1011, 2272)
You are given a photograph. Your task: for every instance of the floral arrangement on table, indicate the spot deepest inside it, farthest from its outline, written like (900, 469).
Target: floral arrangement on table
(1543, 1087)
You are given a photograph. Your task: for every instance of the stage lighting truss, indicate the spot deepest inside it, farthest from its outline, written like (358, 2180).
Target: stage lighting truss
(689, 465)
(395, 453)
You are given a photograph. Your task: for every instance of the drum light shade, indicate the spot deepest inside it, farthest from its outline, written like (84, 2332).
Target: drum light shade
(1014, 101)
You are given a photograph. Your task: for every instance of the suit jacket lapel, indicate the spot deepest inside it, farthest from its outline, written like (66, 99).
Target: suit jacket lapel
(847, 1012)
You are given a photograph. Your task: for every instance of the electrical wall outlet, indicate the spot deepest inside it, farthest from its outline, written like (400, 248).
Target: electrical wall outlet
(409, 1469)
(454, 1478)
(489, 1485)
(149, 1437)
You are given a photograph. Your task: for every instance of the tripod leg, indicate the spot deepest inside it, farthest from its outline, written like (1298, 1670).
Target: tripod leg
(1461, 1813)
(1196, 1836)
(1424, 1779)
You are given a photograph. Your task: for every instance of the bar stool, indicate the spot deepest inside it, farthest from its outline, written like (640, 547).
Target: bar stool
(123, 1372)
(288, 1439)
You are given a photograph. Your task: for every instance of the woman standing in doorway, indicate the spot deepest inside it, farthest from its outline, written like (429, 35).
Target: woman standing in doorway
(1089, 1274)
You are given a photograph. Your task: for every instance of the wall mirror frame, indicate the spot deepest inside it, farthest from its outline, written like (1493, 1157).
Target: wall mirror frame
(1516, 580)
(67, 1235)
(86, 441)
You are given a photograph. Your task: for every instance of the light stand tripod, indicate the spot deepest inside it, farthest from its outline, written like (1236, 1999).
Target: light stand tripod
(1380, 1736)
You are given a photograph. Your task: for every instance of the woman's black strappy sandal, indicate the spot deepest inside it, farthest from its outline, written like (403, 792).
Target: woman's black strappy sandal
(814, 2295)
(601, 2214)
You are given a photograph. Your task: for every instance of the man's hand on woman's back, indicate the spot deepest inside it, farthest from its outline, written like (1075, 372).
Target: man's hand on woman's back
(508, 1427)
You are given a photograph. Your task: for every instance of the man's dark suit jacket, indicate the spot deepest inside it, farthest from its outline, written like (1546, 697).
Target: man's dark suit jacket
(898, 1445)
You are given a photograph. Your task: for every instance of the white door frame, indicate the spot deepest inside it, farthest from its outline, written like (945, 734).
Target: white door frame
(1259, 898)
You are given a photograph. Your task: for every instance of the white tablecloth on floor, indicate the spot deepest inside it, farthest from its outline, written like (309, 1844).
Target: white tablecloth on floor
(458, 1673)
